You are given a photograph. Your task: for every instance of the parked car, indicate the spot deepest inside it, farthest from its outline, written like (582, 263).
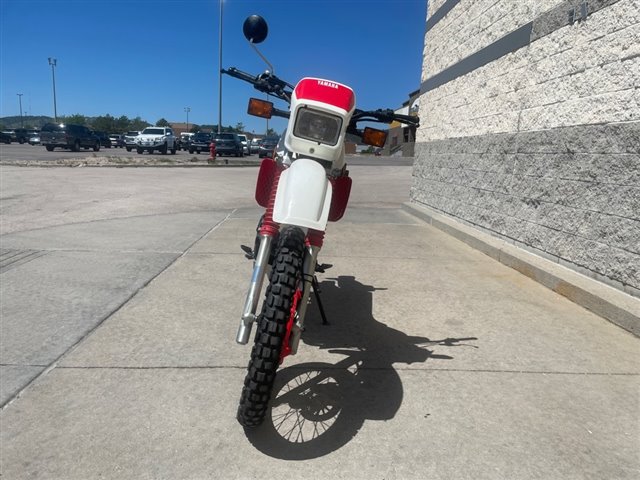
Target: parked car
(156, 138)
(117, 140)
(228, 144)
(130, 140)
(185, 138)
(267, 146)
(20, 135)
(68, 136)
(5, 137)
(200, 142)
(34, 139)
(254, 146)
(245, 144)
(105, 141)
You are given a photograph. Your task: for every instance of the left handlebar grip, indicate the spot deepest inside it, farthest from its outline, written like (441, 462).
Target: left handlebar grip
(234, 72)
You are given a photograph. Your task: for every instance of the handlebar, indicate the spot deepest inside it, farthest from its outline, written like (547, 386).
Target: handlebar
(383, 116)
(267, 82)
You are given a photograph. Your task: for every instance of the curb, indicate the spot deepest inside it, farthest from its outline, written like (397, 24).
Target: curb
(80, 164)
(615, 306)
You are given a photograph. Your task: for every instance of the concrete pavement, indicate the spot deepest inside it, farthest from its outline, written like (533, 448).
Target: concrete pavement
(439, 361)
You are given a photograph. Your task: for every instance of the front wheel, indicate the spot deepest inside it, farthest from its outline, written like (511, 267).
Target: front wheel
(285, 285)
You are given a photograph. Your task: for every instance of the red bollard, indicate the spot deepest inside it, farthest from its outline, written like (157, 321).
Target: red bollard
(212, 151)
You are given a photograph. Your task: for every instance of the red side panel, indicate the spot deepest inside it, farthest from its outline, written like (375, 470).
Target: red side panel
(340, 198)
(266, 175)
(325, 91)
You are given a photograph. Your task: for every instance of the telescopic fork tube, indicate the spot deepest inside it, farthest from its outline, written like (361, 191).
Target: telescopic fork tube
(315, 240)
(268, 231)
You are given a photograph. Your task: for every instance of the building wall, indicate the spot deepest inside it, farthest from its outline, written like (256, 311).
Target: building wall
(530, 128)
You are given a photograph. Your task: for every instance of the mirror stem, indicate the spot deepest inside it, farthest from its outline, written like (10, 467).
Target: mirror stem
(262, 57)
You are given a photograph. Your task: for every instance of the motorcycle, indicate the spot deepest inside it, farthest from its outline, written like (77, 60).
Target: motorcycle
(303, 187)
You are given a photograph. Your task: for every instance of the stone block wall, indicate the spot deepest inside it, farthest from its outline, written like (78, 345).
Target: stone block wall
(530, 128)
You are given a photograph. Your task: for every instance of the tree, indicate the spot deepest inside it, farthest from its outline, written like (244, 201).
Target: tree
(104, 123)
(194, 128)
(239, 127)
(162, 123)
(122, 124)
(76, 119)
(271, 132)
(138, 124)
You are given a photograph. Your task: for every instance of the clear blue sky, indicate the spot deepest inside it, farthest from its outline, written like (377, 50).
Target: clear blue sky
(152, 58)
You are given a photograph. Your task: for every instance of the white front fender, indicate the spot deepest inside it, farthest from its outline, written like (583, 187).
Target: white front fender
(303, 197)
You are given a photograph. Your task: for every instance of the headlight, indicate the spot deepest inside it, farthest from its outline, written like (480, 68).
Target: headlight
(317, 126)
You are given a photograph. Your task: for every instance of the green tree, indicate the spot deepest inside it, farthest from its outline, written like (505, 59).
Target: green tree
(122, 124)
(162, 123)
(194, 128)
(271, 132)
(76, 119)
(104, 123)
(138, 124)
(239, 127)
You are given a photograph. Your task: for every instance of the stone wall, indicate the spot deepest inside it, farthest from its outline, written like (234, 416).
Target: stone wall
(530, 128)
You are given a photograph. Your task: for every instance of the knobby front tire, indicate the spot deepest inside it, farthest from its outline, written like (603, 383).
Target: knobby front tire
(286, 277)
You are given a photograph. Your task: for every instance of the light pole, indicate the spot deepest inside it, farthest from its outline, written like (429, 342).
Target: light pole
(187, 109)
(220, 70)
(53, 62)
(20, 100)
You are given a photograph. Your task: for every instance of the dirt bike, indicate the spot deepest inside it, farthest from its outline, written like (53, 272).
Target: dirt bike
(305, 185)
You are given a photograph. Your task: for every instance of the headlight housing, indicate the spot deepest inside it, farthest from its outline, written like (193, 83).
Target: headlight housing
(317, 126)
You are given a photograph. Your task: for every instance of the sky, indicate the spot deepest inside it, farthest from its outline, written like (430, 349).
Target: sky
(153, 58)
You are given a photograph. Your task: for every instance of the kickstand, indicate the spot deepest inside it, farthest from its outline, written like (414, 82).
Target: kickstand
(316, 291)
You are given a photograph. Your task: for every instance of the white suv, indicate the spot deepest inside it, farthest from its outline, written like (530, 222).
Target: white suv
(156, 138)
(245, 144)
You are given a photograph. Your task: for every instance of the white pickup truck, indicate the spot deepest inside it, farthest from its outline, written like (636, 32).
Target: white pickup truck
(156, 138)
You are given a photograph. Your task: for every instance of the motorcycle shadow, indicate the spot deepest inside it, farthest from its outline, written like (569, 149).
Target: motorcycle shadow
(316, 408)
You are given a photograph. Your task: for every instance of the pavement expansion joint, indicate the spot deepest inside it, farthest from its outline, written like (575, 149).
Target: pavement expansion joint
(338, 368)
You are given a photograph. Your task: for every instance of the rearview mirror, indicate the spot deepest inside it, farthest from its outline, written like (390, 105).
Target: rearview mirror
(255, 29)
(374, 137)
(260, 108)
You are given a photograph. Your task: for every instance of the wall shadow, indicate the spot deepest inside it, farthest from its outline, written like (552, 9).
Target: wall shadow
(317, 408)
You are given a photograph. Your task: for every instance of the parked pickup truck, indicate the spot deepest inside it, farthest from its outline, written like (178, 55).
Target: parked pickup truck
(73, 137)
(156, 138)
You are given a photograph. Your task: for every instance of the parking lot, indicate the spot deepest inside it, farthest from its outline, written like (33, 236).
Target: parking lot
(16, 153)
(25, 151)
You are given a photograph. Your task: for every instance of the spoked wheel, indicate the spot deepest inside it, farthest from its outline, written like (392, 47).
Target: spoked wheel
(316, 409)
(285, 283)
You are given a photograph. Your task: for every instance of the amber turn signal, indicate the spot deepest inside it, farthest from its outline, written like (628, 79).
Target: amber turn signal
(260, 108)
(373, 136)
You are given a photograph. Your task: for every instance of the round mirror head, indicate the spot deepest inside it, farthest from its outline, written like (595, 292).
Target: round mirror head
(255, 29)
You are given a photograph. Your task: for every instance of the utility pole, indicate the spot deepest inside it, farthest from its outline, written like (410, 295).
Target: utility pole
(187, 109)
(220, 70)
(53, 62)
(21, 119)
